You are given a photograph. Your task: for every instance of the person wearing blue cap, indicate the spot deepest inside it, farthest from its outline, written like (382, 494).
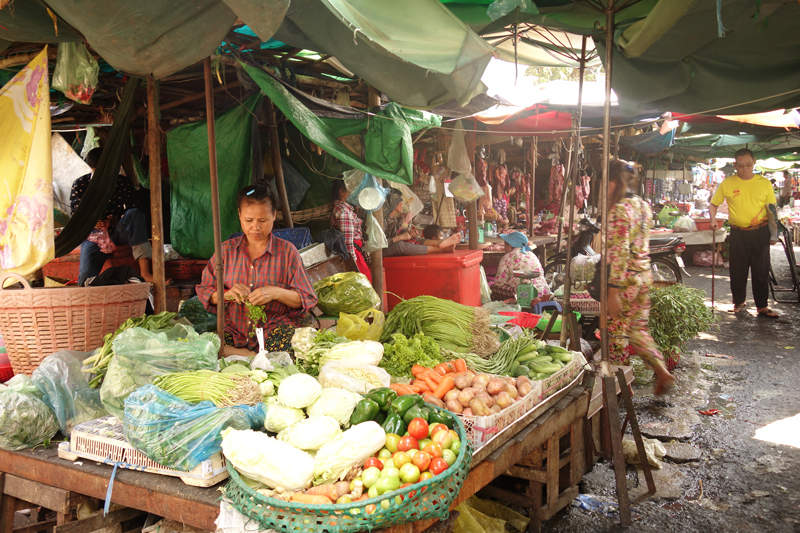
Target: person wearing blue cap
(519, 256)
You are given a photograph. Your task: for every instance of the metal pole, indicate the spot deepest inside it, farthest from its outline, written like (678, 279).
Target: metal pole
(156, 217)
(576, 148)
(376, 258)
(604, 366)
(531, 210)
(275, 149)
(212, 167)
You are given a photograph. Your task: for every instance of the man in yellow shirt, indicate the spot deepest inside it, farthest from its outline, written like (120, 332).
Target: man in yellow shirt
(747, 195)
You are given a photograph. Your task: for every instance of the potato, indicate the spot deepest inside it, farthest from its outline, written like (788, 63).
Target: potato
(430, 398)
(495, 409)
(468, 412)
(524, 389)
(466, 396)
(512, 391)
(510, 381)
(481, 378)
(463, 381)
(454, 406)
(478, 387)
(342, 488)
(452, 394)
(495, 386)
(487, 398)
(504, 400)
(479, 407)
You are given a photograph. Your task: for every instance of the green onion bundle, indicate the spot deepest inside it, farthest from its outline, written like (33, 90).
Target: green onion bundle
(498, 364)
(200, 385)
(455, 327)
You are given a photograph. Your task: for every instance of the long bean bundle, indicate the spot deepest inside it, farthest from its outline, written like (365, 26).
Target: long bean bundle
(499, 363)
(222, 389)
(455, 327)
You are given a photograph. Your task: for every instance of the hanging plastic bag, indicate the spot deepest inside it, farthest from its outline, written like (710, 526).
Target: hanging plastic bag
(66, 391)
(352, 178)
(684, 224)
(76, 72)
(465, 188)
(457, 158)
(345, 292)
(25, 420)
(141, 355)
(376, 238)
(180, 435)
(355, 377)
(356, 328)
(369, 195)
(410, 200)
(664, 216)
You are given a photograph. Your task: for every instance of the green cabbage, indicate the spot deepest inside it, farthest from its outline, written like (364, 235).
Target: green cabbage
(311, 433)
(299, 391)
(335, 402)
(280, 417)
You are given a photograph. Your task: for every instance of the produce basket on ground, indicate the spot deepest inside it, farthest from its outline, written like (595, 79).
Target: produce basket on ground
(38, 322)
(426, 499)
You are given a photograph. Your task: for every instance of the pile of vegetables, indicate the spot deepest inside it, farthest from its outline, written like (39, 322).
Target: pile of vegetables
(401, 353)
(25, 420)
(455, 327)
(222, 389)
(677, 313)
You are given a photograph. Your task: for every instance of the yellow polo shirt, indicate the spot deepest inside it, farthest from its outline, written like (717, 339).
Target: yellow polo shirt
(747, 199)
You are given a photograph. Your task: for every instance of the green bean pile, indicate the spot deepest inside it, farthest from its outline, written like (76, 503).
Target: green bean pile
(199, 385)
(499, 363)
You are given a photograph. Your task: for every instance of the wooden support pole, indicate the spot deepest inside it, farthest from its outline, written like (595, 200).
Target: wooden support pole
(376, 258)
(219, 268)
(277, 165)
(615, 432)
(472, 221)
(531, 209)
(156, 209)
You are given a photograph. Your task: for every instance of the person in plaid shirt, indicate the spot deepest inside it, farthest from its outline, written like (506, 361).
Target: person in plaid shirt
(261, 269)
(344, 219)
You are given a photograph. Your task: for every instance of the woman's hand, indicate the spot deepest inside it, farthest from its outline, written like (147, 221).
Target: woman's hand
(413, 232)
(263, 295)
(614, 302)
(403, 237)
(238, 293)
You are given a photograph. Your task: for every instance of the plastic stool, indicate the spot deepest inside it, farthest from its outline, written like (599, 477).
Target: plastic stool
(537, 309)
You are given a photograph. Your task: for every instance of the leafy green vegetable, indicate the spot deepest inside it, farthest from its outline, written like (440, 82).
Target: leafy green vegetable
(402, 353)
(678, 313)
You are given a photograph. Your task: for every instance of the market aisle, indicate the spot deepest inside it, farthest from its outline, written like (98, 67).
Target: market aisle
(739, 483)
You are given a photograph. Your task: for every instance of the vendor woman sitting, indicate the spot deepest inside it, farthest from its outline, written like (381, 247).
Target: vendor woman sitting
(262, 269)
(519, 256)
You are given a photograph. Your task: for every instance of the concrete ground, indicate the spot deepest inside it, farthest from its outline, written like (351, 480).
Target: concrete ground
(743, 465)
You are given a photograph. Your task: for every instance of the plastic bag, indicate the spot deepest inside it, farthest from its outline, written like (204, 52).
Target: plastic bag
(25, 420)
(194, 312)
(457, 158)
(76, 72)
(346, 292)
(354, 377)
(704, 258)
(269, 360)
(583, 267)
(486, 291)
(501, 8)
(684, 223)
(142, 355)
(664, 216)
(487, 516)
(66, 391)
(653, 449)
(356, 328)
(369, 195)
(411, 201)
(465, 188)
(376, 238)
(180, 435)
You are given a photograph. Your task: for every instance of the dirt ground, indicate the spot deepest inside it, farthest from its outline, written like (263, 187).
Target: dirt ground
(739, 483)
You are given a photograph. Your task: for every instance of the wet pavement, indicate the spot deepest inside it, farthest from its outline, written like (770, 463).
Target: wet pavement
(732, 481)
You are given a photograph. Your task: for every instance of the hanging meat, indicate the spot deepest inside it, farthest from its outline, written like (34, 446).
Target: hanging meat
(480, 172)
(556, 183)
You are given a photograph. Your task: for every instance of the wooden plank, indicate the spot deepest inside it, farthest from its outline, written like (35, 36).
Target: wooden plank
(504, 495)
(40, 494)
(38, 526)
(552, 472)
(637, 436)
(612, 414)
(99, 521)
(578, 466)
(527, 473)
(7, 508)
(156, 209)
(546, 513)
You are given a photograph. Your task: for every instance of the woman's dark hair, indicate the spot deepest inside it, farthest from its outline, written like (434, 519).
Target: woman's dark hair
(93, 157)
(338, 186)
(623, 174)
(260, 193)
(432, 231)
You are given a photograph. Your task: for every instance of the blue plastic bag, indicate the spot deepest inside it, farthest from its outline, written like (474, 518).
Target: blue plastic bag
(178, 434)
(369, 195)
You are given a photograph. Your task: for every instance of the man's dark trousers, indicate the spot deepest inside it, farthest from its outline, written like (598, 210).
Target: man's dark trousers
(749, 254)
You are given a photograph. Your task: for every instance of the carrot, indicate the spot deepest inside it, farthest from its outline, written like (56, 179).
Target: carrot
(329, 491)
(423, 387)
(442, 368)
(313, 499)
(401, 389)
(436, 377)
(416, 370)
(460, 365)
(446, 384)
(451, 374)
(429, 380)
(415, 388)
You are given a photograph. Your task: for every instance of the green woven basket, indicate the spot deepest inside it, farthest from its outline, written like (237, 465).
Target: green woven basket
(426, 499)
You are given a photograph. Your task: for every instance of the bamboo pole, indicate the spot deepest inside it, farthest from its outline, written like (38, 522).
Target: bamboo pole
(376, 258)
(156, 209)
(531, 209)
(219, 269)
(564, 194)
(277, 165)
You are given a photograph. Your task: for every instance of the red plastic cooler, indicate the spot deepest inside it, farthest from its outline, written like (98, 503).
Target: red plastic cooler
(453, 276)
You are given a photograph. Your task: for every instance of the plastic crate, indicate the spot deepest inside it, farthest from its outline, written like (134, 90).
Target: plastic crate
(6, 372)
(522, 319)
(181, 269)
(300, 237)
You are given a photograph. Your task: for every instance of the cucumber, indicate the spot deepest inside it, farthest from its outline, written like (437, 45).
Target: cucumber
(526, 350)
(514, 366)
(540, 345)
(533, 356)
(563, 357)
(545, 368)
(521, 370)
(551, 349)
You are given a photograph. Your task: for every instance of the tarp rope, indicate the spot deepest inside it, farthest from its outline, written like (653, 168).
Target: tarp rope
(101, 186)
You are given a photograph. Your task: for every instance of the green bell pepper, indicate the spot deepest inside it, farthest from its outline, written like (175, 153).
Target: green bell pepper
(416, 411)
(394, 424)
(365, 411)
(441, 417)
(404, 403)
(381, 418)
(383, 396)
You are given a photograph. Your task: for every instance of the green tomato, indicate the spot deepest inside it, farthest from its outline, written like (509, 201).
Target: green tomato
(373, 491)
(392, 441)
(385, 504)
(353, 483)
(384, 454)
(409, 473)
(389, 463)
(412, 452)
(449, 456)
(455, 447)
(423, 443)
(344, 499)
(370, 476)
(389, 471)
(388, 484)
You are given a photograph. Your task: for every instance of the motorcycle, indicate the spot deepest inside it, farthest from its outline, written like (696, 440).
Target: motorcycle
(666, 263)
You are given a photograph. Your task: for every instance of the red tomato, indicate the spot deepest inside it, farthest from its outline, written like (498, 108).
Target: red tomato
(438, 466)
(436, 428)
(373, 461)
(407, 443)
(433, 449)
(418, 428)
(421, 460)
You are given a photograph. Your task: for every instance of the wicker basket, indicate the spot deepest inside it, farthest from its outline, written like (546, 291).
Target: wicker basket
(38, 322)
(426, 499)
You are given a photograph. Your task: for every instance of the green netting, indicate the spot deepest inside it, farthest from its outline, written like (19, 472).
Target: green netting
(192, 232)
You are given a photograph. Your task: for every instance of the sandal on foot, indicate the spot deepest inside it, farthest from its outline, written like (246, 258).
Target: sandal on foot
(769, 313)
(738, 308)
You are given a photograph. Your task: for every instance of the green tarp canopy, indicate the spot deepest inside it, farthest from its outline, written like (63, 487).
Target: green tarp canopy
(709, 146)
(387, 134)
